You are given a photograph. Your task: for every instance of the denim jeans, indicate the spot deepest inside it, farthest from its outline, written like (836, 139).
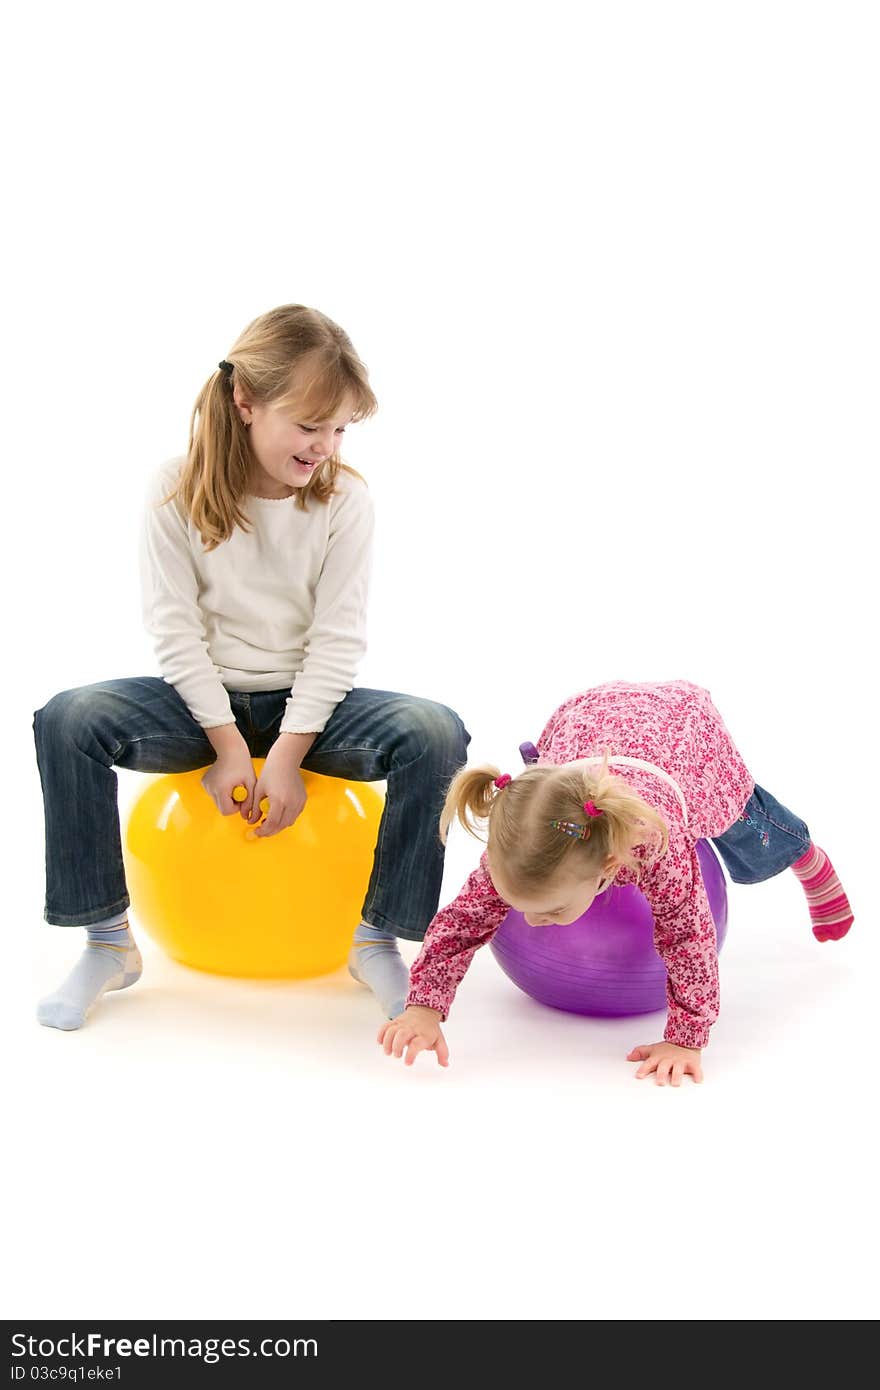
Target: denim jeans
(766, 839)
(142, 723)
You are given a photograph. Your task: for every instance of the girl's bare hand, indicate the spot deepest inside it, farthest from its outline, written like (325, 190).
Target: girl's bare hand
(667, 1061)
(281, 785)
(415, 1030)
(231, 770)
(285, 792)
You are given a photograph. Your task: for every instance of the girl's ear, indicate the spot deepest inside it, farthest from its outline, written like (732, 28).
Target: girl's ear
(244, 407)
(610, 867)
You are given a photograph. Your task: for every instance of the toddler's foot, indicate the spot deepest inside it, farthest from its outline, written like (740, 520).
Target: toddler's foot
(375, 961)
(111, 960)
(830, 911)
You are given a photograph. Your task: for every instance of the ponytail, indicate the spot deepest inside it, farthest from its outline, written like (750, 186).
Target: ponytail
(214, 481)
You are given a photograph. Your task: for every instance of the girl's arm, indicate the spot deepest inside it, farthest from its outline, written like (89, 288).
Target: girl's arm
(335, 643)
(171, 612)
(336, 639)
(451, 940)
(684, 935)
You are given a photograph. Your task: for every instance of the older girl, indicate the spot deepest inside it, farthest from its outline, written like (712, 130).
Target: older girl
(256, 555)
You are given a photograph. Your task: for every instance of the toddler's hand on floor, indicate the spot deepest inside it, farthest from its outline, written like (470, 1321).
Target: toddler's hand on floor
(667, 1061)
(415, 1030)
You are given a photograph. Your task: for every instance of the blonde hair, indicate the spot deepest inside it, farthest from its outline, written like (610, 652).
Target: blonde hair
(214, 480)
(522, 838)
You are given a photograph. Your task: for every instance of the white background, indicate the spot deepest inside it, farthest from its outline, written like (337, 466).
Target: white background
(613, 269)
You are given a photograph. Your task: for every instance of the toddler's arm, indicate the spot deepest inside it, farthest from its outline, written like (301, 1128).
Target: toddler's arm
(684, 935)
(451, 940)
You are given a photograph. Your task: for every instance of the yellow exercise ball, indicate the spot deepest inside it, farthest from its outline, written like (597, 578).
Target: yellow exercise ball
(218, 898)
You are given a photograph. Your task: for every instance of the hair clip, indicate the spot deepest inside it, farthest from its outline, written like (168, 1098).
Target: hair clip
(570, 827)
(226, 367)
(591, 809)
(502, 781)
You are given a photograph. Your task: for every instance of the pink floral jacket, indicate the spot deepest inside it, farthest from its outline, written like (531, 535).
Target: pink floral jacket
(674, 726)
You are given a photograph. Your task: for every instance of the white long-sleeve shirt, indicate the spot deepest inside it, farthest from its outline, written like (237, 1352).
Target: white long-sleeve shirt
(283, 605)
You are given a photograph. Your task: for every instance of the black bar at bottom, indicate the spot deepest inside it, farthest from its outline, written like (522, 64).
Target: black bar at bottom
(134, 1353)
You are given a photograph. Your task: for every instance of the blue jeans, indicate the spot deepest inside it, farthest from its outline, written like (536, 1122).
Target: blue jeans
(142, 723)
(766, 839)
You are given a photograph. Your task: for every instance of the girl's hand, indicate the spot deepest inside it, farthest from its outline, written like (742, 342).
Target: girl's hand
(415, 1030)
(232, 769)
(282, 783)
(667, 1061)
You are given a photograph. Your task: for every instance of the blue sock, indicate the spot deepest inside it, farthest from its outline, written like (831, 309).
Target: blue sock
(375, 961)
(111, 960)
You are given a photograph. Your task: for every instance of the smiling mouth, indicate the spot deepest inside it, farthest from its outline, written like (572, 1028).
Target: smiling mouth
(305, 463)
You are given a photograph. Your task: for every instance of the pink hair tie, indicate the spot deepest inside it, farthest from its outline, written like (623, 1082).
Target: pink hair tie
(502, 781)
(591, 809)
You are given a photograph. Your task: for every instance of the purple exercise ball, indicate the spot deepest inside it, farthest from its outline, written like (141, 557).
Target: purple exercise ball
(604, 963)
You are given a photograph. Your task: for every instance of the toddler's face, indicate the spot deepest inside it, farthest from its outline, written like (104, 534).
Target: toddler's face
(287, 449)
(560, 903)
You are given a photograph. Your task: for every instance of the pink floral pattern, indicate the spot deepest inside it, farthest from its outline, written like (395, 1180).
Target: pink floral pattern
(675, 726)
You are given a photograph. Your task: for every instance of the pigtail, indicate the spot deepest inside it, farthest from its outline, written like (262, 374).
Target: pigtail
(470, 799)
(630, 823)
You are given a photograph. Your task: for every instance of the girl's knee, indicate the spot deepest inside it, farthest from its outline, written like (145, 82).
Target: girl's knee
(438, 730)
(69, 713)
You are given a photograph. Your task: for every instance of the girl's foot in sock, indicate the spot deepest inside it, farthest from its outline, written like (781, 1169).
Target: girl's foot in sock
(830, 911)
(111, 960)
(375, 961)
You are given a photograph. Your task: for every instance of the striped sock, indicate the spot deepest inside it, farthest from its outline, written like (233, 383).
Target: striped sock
(830, 911)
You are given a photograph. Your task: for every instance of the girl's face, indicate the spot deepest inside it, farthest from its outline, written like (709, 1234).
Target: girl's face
(288, 450)
(560, 902)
